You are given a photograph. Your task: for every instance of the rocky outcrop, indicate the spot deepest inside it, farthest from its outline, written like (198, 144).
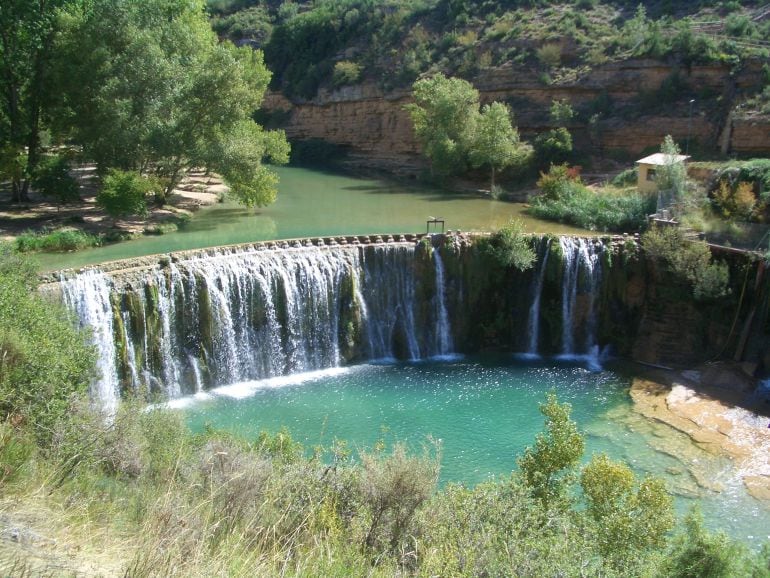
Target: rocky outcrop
(637, 102)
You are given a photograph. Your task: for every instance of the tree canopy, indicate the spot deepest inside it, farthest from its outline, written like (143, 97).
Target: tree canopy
(453, 132)
(141, 86)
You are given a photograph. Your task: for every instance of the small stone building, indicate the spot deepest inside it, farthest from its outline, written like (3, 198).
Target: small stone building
(647, 170)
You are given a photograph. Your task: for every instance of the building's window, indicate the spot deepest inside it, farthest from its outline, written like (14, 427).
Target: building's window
(650, 174)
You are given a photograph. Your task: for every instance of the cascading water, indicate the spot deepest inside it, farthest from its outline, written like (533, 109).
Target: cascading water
(443, 338)
(533, 323)
(88, 295)
(581, 275)
(226, 318)
(231, 316)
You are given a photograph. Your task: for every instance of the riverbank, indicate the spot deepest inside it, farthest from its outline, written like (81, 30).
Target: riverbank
(713, 405)
(196, 190)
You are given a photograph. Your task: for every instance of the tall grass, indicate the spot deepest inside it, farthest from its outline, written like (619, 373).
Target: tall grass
(58, 241)
(601, 210)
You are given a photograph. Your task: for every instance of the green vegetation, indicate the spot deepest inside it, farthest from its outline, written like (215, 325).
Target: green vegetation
(55, 241)
(454, 134)
(143, 87)
(124, 193)
(43, 359)
(566, 199)
(394, 42)
(223, 505)
(690, 261)
(52, 179)
(511, 248)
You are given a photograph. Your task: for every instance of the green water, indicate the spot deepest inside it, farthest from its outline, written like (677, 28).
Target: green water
(485, 412)
(312, 204)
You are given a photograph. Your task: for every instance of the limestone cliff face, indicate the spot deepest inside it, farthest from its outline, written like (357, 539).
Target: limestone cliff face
(376, 129)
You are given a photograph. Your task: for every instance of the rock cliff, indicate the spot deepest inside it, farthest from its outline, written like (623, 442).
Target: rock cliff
(624, 109)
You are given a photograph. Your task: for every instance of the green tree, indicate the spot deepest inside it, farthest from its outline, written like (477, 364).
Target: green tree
(496, 141)
(698, 553)
(27, 31)
(148, 87)
(124, 193)
(629, 519)
(52, 179)
(672, 176)
(444, 113)
(548, 468)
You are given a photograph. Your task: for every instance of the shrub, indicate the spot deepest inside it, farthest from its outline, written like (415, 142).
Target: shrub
(52, 179)
(345, 72)
(691, 261)
(566, 199)
(735, 202)
(511, 248)
(629, 516)
(553, 146)
(547, 469)
(549, 54)
(698, 553)
(56, 241)
(124, 193)
(393, 488)
(43, 358)
(625, 178)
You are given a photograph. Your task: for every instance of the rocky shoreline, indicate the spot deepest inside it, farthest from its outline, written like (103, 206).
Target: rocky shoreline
(717, 419)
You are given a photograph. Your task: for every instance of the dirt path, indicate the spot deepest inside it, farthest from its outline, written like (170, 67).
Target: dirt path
(196, 190)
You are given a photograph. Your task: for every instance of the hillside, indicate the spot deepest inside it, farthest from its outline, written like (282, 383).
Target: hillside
(343, 70)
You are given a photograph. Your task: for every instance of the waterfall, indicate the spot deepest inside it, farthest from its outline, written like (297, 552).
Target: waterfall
(389, 294)
(88, 295)
(569, 292)
(232, 317)
(443, 338)
(581, 275)
(533, 323)
(185, 324)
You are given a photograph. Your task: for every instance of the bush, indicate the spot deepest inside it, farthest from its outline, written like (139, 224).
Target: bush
(698, 553)
(737, 202)
(691, 261)
(52, 179)
(56, 241)
(553, 146)
(569, 201)
(625, 178)
(44, 360)
(549, 54)
(511, 248)
(124, 193)
(345, 72)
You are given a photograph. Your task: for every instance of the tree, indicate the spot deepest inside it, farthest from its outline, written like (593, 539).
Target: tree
(548, 468)
(27, 30)
(496, 141)
(444, 113)
(629, 519)
(52, 179)
(124, 193)
(672, 176)
(148, 87)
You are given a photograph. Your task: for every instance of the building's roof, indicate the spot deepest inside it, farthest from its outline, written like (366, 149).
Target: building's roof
(662, 159)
